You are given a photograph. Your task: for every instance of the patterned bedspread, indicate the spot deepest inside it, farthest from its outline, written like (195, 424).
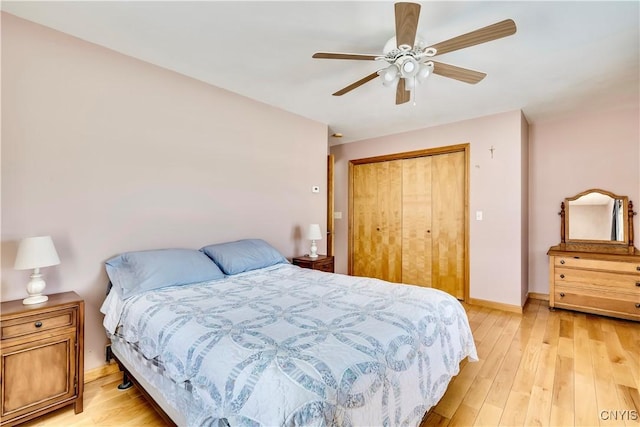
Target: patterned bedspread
(285, 346)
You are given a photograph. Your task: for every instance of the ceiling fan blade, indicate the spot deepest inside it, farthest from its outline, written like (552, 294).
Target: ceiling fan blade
(486, 34)
(402, 95)
(458, 73)
(407, 15)
(359, 83)
(331, 55)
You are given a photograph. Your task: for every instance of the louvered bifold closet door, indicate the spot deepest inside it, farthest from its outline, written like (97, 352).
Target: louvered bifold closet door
(377, 220)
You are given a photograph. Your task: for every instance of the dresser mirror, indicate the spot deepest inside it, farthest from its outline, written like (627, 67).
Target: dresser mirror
(597, 219)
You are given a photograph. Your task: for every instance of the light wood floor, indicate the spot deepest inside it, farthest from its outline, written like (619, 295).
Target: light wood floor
(539, 368)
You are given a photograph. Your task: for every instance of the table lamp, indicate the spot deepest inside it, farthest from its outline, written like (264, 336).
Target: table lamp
(314, 234)
(36, 252)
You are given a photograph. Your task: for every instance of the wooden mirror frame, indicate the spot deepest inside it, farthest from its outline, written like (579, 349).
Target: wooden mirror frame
(612, 246)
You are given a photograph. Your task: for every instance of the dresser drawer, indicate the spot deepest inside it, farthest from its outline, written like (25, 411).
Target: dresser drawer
(597, 302)
(38, 323)
(597, 264)
(627, 283)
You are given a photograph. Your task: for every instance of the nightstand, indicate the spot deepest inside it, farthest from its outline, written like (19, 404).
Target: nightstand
(322, 262)
(41, 357)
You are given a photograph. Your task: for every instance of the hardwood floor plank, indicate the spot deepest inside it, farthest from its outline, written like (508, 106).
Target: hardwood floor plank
(495, 359)
(433, 419)
(563, 385)
(561, 417)
(489, 415)
(513, 414)
(629, 410)
(539, 408)
(628, 334)
(529, 361)
(505, 376)
(464, 416)
(585, 394)
(605, 387)
(450, 402)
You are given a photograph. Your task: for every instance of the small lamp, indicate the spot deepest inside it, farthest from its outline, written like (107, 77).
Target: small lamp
(36, 252)
(314, 234)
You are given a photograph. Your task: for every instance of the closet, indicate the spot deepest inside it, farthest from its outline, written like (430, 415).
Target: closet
(408, 218)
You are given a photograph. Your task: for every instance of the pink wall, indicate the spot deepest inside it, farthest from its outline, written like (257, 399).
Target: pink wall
(108, 154)
(497, 263)
(571, 155)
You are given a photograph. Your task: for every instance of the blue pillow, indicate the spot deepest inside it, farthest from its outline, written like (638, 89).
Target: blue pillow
(243, 255)
(135, 272)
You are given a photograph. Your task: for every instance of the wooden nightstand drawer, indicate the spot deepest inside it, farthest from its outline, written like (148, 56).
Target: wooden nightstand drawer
(38, 323)
(321, 263)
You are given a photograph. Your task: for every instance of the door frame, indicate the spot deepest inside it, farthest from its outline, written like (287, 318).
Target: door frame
(330, 204)
(465, 148)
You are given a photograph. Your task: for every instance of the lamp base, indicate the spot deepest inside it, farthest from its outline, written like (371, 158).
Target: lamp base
(35, 287)
(313, 250)
(35, 299)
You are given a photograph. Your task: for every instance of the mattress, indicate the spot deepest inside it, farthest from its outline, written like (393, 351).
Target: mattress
(290, 347)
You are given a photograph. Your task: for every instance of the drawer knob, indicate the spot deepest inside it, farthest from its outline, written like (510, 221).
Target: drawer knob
(562, 276)
(638, 305)
(561, 261)
(561, 294)
(638, 268)
(638, 284)
(37, 324)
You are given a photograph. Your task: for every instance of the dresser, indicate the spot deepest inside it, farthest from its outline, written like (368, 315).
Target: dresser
(596, 267)
(321, 262)
(599, 283)
(41, 357)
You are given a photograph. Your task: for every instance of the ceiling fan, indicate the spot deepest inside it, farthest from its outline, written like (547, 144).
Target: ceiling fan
(409, 58)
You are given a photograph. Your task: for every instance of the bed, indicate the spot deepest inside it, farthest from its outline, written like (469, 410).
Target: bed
(267, 343)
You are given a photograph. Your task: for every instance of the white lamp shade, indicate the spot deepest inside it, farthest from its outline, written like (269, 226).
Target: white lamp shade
(314, 232)
(36, 252)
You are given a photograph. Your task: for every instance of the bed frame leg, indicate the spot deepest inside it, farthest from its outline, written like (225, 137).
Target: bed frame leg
(126, 382)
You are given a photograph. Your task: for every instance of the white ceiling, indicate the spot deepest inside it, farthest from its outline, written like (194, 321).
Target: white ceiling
(566, 57)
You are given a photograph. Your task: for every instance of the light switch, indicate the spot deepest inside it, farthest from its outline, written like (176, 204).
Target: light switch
(315, 189)
(478, 215)
(337, 215)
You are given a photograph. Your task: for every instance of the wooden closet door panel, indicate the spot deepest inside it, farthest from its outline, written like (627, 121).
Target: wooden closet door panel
(365, 201)
(416, 221)
(377, 220)
(448, 195)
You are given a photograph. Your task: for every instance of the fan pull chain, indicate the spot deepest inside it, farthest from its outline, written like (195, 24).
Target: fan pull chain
(413, 92)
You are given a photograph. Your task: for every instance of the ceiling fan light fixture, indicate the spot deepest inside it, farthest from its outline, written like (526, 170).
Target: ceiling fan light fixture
(425, 71)
(409, 67)
(389, 75)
